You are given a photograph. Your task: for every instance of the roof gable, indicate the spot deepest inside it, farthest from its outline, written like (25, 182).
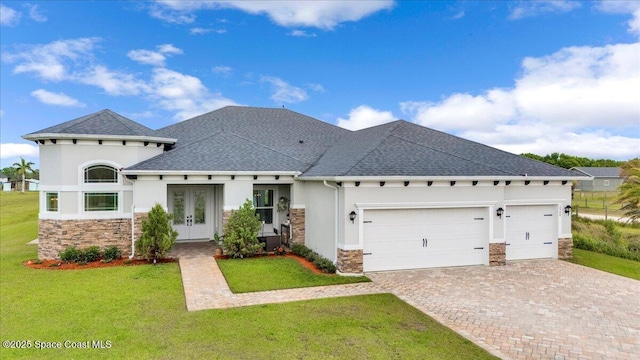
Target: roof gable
(613, 172)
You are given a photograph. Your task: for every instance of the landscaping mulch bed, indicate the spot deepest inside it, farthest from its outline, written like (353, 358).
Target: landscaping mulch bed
(59, 265)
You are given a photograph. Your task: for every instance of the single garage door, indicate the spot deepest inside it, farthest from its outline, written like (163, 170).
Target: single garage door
(531, 232)
(421, 238)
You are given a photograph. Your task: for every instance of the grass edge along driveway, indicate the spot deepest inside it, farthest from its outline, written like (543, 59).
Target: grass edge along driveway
(611, 264)
(140, 310)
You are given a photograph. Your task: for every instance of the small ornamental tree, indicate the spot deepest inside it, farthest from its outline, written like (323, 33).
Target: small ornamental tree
(158, 237)
(241, 232)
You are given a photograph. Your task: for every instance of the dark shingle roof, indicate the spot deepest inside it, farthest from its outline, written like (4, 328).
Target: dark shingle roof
(104, 122)
(401, 148)
(600, 171)
(237, 138)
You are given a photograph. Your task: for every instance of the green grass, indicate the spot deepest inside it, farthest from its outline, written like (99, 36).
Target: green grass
(595, 202)
(607, 237)
(273, 273)
(141, 311)
(624, 267)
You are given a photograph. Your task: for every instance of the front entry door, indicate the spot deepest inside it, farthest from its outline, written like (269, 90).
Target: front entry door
(191, 215)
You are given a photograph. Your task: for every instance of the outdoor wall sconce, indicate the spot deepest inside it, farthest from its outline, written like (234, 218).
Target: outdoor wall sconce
(567, 209)
(499, 212)
(352, 216)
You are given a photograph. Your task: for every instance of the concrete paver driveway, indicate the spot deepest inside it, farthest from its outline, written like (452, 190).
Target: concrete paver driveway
(540, 309)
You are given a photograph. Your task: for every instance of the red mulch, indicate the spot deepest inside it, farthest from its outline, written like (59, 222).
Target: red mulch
(304, 262)
(59, 265)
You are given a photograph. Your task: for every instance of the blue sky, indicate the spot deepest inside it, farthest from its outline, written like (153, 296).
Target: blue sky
(530, 76)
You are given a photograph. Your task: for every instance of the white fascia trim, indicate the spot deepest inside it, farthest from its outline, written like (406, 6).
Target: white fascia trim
(47, 136)
(350, 247)
(570, 236)
(206, 172)
(297, 206)
(425, 205)
(536, 202)
(76, 188)
(440, 178)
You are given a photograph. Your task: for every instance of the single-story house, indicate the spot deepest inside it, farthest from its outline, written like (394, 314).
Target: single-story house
(6, 184)
(603, 178)
(393, 196)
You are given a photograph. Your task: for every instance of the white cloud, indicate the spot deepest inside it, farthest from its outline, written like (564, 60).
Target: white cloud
(155, 58)
(184, 94)
(9, 16)
(624, 7)
(199, 31)
(316, 87)
(283, 92)
(319, 14)
(581, 100)
(365, 116)
(52, 61)
(51, 98)
(224, 71)
(11, 150)
(524, 9)
(301, 33)
(112, 82)
(34, 14)
(458, 15)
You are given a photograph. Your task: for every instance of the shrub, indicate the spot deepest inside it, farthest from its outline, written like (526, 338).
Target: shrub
(241, 232)
(111, 253)
(323, 264)
(158, 237)
(92, 253)
(70, 254)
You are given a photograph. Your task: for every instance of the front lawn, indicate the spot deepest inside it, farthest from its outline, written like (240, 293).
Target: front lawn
(273, 273)
(615, 265)
(140, 311)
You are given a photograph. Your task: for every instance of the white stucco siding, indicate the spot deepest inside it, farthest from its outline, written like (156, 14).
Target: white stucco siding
(237, 191)
(320, 221)
(415, 195)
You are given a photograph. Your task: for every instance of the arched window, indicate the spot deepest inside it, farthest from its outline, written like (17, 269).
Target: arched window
(100, 174)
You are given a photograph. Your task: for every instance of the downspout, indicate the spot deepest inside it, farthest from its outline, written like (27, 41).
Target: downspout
(133, 235)
(337, 223)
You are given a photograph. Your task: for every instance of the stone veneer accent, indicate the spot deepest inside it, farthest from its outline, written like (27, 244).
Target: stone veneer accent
(226, 214)
(55, 235)
(497, 254)
(565, 248)
(297, 218)
(350, 261)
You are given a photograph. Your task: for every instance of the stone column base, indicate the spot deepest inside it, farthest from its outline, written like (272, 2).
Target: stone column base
(297, 218)
(350, 261)
(565, 248)
(497, 254)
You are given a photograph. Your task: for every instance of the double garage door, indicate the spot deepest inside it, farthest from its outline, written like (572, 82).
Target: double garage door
(420, 238)
(397, 239)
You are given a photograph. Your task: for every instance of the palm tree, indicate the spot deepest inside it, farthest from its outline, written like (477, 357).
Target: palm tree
(629, 195)
(22, 168)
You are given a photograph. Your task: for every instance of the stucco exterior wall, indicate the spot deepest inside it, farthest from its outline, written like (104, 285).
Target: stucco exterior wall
(320, 222)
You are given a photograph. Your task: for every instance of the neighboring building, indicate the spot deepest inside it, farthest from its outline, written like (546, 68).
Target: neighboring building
(394, 196)
(6, 184)
(603, 178)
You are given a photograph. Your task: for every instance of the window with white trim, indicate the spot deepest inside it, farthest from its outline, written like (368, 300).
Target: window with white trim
(606, 183)
(100, 174)
(51, 201)
(263, 203)
(101, 201)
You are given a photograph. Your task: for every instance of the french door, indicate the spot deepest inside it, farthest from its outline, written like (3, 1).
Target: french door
(191, 211)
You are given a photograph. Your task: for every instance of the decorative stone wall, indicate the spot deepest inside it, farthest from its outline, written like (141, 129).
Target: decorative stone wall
(297, 218)
(225, 217)
(565, 248)
(497, 254)
(55, 235)
(350, 261)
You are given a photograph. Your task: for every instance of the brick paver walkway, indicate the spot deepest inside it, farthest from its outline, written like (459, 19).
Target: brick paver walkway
(541, 309)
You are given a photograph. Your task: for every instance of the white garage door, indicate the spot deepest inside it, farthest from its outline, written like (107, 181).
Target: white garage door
(531, 232)
(421, 238)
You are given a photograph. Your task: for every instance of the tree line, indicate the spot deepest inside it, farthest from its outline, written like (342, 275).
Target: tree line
(569, 161)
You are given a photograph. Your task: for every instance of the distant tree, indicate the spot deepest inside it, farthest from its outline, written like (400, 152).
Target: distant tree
(629, 195)
(569, 161)
(22, 168)
(9, 172)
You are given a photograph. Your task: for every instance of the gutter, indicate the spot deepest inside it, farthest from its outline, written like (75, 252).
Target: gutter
(133, 237)
(337, 223)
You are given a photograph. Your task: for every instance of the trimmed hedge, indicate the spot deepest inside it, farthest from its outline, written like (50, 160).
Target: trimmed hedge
(325, 265)
(72, 254)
